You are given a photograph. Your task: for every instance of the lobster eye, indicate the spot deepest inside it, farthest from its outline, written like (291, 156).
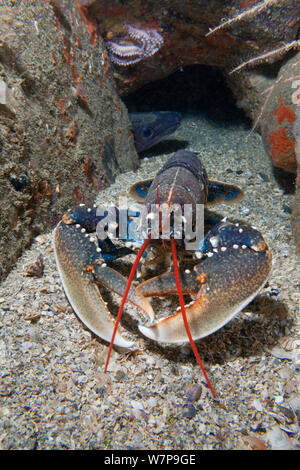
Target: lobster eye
(147, 131)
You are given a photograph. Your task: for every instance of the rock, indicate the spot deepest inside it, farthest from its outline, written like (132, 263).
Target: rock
(279, 116)
(192, 33)
(248, 40)
(64, 133)
(255, 36)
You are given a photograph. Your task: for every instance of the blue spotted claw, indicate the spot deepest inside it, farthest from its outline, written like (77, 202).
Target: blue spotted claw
(236, 263)
(82, 268)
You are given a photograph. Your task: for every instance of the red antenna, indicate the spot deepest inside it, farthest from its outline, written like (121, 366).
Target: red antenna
(130, 278)
(181, 301)
(180, 294)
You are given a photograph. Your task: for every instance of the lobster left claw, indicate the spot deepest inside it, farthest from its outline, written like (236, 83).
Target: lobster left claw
(229, 277)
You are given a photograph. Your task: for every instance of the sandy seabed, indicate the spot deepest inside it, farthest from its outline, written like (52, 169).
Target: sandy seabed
(53, 390)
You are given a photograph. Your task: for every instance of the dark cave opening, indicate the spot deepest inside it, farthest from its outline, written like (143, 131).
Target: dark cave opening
(192, 89)
(201, 90)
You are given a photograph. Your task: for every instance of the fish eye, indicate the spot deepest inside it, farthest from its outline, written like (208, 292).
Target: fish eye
(147, 131)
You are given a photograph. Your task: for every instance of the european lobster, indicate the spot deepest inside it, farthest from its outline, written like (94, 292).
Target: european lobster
(231, 263)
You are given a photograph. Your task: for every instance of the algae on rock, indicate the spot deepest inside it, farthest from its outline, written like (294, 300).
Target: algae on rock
(64, 132)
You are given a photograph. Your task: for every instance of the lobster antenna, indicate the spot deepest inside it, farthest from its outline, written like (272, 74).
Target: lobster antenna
(187, 328)
(130, 278)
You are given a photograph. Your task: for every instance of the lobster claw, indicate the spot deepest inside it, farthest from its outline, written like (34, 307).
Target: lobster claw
(77, 259)
(229, 277)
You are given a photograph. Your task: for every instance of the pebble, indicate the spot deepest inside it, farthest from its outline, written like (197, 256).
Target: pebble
(79, 379)
(41, 239)
(100, 391)
(263, 177)
(190, 412)
(120, 375)
(280, 353)
(3, 92)
(35, 269)
(244, 210)
(257, 405)
(150, 361)
(193, 392)
(152, 402)
(274, 292)
(286, 209)
(294, 402)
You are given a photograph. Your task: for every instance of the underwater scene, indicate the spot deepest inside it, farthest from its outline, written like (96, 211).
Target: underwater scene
(150, 227)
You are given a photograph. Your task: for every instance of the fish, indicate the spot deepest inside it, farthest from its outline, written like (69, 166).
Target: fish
(149, 128)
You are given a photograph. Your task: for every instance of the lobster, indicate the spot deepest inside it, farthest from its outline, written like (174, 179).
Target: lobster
(231, 262)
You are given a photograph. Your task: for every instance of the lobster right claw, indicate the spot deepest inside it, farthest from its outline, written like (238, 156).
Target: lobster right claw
(77, 261)
(230, 276)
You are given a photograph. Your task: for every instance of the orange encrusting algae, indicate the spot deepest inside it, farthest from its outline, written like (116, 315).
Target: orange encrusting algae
(284, 112)
(89, 21)
(280, 141)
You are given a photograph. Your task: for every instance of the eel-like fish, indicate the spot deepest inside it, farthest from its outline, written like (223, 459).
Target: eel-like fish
(150, 128)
